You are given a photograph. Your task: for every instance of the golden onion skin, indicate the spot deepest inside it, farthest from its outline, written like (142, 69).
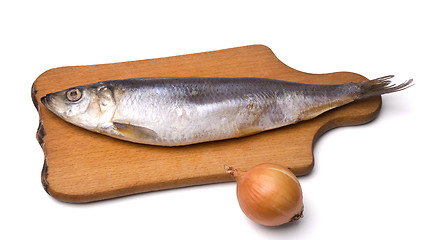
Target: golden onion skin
(269, 194)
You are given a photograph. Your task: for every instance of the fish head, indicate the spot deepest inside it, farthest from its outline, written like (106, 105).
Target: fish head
(89, 106)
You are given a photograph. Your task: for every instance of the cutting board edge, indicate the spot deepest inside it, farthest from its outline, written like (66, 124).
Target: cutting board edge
(165, 58)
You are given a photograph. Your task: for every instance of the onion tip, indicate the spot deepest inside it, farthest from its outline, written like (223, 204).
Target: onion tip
(232, 171)
(297, 216)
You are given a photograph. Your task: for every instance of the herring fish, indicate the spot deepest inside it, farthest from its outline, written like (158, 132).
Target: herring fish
(189, 110)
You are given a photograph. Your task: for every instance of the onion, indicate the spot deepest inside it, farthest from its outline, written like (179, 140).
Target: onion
(269, 194)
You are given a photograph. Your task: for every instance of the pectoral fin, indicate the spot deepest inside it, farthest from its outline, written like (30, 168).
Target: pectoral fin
(136, 133)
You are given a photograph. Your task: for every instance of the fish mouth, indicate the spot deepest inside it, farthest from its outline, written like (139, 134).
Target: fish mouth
(45, 99)
(48, 102)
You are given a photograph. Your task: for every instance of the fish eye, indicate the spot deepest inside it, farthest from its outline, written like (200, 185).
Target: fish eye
(73, 94)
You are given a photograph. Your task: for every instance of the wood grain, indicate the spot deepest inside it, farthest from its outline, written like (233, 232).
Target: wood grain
(82, 166)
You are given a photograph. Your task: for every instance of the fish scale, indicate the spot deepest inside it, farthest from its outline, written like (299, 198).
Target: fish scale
(183, 111)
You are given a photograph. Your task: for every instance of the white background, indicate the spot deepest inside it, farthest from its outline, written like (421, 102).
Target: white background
(367, 181)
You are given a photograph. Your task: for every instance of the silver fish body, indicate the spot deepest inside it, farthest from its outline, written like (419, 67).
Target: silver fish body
(182, 111)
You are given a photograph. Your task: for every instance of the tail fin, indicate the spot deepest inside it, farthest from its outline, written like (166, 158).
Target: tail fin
(381, 86)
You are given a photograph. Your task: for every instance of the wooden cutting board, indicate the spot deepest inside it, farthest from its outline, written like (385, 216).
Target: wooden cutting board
(82, 166)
